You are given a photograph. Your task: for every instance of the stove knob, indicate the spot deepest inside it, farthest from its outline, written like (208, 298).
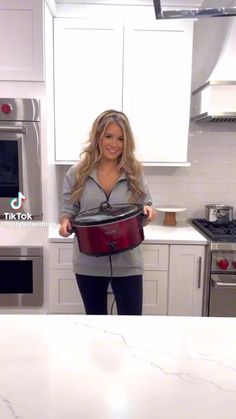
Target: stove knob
(6, 108)
(222, 263)
(234, 263)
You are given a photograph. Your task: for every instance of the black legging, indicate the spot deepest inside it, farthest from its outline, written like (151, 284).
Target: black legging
(128, 292)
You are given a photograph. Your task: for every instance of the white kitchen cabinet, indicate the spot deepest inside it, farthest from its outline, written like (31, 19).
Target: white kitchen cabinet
(186, 276)
(143, 69)
(155, 284)
(64, 296)
(157, 85)
(21, 34)
(64, 293)
(88, 79)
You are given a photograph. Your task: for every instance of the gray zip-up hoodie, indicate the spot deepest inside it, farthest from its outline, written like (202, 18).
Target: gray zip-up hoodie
(123, 264)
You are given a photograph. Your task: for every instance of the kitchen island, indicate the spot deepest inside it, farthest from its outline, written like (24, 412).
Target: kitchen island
(104, 367)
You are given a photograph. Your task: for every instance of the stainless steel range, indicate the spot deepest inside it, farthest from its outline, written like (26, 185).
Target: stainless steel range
(220, 268)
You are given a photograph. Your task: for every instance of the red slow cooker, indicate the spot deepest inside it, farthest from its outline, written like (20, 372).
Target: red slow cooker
(109, 229)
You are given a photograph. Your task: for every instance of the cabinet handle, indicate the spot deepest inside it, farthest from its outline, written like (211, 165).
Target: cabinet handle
(223, 285)
(13, 129)
(199, 272)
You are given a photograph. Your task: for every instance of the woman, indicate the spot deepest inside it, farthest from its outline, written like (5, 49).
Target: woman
(108, 171)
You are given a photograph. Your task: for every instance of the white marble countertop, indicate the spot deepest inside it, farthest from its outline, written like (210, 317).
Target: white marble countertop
(104, 367)
(183, 233)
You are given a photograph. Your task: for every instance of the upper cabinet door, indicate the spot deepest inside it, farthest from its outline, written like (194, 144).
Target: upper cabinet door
(88, 79)
(157, 86)
(21, 35)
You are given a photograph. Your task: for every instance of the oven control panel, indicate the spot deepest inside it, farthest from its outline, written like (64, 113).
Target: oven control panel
(223, 262)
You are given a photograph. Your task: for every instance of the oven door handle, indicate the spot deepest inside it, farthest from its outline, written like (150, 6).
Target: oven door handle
(223, 285)
(16, 130)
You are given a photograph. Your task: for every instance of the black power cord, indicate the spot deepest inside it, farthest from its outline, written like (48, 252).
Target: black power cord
(113, 302)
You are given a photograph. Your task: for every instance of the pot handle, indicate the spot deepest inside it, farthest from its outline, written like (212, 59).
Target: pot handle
(222, 213)
(72, 229)
(219, 214)
(104, 206)
(143, 217)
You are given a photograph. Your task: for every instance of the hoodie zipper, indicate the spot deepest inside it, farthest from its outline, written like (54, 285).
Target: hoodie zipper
(107, 196)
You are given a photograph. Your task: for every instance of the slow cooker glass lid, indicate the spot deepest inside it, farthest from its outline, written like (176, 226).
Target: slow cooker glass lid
(107, 214)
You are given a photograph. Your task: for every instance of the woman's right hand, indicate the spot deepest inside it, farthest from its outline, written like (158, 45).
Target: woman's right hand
(65, 228)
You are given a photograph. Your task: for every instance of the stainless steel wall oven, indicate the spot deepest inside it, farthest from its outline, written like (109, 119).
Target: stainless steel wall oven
(21, 276)
(20, 163)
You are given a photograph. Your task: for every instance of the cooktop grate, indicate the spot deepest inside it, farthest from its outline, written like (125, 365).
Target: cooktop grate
(217, 232)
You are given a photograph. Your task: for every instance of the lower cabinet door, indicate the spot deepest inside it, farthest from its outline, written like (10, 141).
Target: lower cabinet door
(154, 294)
(155, 286)
(64, 295)
(186, 278)
(155, 278)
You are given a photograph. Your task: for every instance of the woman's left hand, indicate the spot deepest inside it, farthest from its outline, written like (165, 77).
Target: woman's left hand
(150, 213)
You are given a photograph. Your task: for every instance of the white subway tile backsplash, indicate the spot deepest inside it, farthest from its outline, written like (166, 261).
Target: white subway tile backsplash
(217, 178)
(211, 178)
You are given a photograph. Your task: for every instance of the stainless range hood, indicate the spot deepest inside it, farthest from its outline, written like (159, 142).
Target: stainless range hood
(214, 101)
(192, 13)
(214, 94)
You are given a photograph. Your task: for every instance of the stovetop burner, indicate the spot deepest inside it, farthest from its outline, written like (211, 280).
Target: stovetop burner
(217, 232)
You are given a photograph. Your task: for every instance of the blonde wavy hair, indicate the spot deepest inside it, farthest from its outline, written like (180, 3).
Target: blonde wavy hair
(91, 154)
